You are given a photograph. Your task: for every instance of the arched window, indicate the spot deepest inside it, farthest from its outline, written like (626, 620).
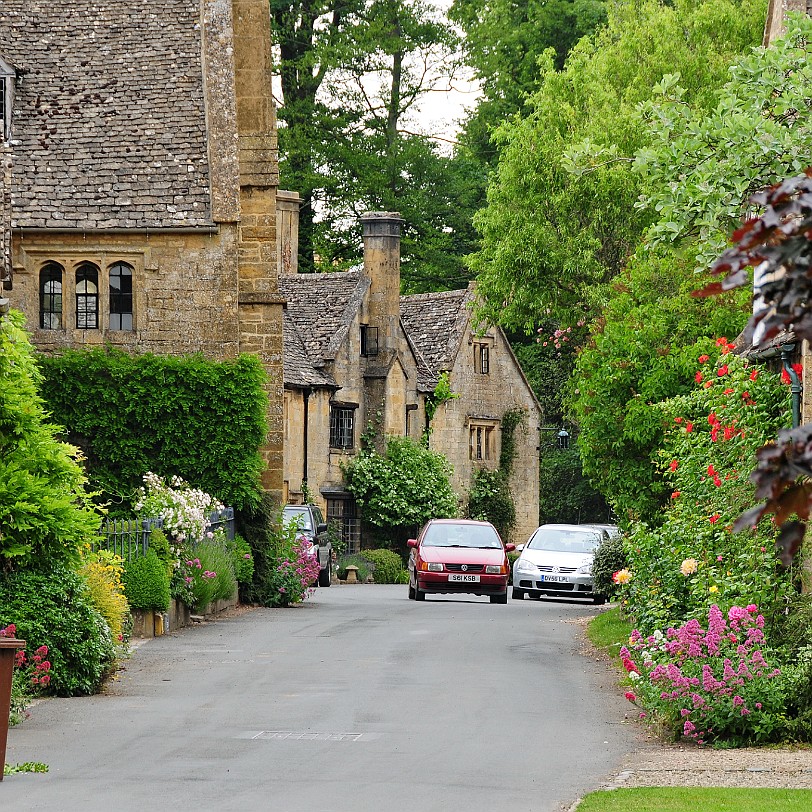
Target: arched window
(87, 297)
(50, 296)
(121, 296)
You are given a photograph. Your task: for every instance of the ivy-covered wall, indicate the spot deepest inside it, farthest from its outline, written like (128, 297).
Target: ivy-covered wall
(201, 420)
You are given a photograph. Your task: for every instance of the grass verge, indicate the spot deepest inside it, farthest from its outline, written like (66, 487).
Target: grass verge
(608, 631)
(691, 799)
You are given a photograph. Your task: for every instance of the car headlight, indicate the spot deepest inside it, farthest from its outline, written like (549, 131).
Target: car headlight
(526, 566)
(494, 569)
(585, 569)
(432, 567)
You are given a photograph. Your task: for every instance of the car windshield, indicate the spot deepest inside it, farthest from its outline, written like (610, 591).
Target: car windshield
(461, 535)
(298, 516)
(563, 541)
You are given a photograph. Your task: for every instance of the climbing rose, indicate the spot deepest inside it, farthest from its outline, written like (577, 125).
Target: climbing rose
(703, 358)
(722, 370)
(688, 567)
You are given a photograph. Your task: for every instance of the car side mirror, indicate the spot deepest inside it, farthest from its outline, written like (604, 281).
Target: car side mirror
(510, 548)
(411, 543)
(321, 528)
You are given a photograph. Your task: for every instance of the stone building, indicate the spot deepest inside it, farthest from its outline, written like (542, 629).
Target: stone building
(358, 355)
(139, 172)
(485, 374)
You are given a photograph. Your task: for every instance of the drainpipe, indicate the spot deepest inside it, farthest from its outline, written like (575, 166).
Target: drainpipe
(796, 388)
(307, 394)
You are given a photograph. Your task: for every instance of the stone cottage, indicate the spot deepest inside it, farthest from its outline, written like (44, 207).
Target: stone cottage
(358, 355)
(138, 180)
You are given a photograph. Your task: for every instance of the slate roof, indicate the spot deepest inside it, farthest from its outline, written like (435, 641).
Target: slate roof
(109, 127)
(319, 312)
(436, 323)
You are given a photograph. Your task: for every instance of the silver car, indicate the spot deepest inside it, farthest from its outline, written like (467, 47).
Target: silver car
(557, 560)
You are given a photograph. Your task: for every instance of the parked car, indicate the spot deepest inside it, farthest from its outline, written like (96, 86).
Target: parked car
(459, 556)
(557, 560)
(310, 523)
(610, 530)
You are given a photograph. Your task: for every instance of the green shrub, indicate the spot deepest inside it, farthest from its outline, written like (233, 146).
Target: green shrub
(241, 559)
(46, 514)
(53, 608)
(212, 574)
(389, 567)
(159, 544)
(490, 500)
(146, 583)
(136, 413)
(257, 524)
(365, 566)
(609, 558)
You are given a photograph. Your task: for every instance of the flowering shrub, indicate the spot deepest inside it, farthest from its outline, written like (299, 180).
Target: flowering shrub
(185, 510)
(712, 683)
(102, 572)
(209, 575)
(294, 572)
(677, 570)
(30, 676)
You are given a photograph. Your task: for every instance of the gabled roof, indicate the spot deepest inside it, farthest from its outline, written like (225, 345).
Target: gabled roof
(110, 119)
(319, 312)
(436, 324)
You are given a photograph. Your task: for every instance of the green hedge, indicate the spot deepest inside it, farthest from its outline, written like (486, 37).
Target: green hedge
(146, 583)
(55, 609)
(389, 567)
(201, 420)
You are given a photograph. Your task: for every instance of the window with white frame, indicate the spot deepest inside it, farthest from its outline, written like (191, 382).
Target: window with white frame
(342, 426)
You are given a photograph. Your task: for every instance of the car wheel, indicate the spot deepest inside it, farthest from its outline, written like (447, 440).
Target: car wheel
(324, 576)
(599, 600)
(517, 594)
(499, 598)
(419, 595)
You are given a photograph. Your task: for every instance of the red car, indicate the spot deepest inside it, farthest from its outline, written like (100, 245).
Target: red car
(459, 555)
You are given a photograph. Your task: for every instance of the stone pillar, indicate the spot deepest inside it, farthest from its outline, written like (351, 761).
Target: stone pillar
(287, 231)
(260, 310)
(775, 25)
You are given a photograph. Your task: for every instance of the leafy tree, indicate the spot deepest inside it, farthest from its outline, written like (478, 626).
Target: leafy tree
(503, 43)
(46, 514)
(565, 495)
(353, 73)
(643, 350)
(551, 237)
(405, 487)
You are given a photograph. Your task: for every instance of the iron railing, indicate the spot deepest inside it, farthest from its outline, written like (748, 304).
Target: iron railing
(129, 538)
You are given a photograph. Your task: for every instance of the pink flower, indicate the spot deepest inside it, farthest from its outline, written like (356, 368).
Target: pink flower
(630, 696)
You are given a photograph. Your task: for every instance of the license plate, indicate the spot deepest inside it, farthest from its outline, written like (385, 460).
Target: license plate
(461, 576)
(556, 579)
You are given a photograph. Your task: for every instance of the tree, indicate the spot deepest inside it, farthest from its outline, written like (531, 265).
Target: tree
(353, 73)
(503, 43)
(46, 515)
(551, 237)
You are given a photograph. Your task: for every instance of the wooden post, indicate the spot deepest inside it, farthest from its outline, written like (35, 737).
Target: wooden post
(8, 648)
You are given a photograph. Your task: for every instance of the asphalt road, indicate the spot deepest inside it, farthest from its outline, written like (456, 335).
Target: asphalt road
(356, 700)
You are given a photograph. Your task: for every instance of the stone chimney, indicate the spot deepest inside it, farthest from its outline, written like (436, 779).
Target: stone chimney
(287, 231)
(382, 266)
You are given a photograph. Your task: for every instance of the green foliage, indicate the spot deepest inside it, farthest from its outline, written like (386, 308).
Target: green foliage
(442, 394)
(257, 525)
(403, 488)
(389, 567)
(551, 235)
(132, 414)
(511, 420)
(609, 558)
(365, 566)
(758, 132)
(294, 569)
(53, 608)
(212, 573)
(490, 500)
(146, 583)
(693, 559)
(159, 544)
(609, 630)
(241, 559)
(565, 495)
(643, 351)
(46, 514)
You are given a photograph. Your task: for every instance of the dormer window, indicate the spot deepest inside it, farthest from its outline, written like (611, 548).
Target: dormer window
(7, 77)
